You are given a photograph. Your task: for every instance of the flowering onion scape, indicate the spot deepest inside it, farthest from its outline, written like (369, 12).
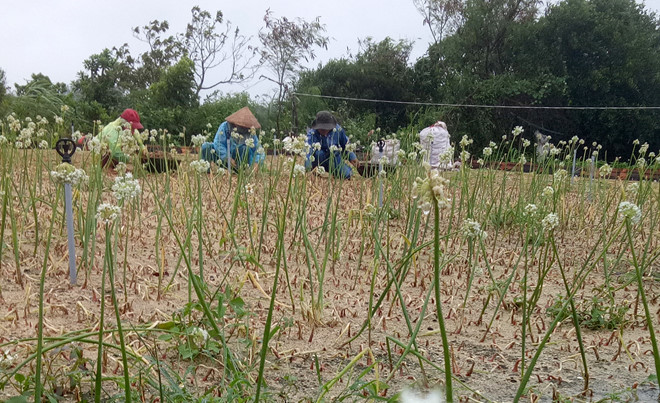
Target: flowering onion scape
(281, 282)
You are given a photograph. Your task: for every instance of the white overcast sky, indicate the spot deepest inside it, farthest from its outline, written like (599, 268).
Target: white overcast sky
(54, 37)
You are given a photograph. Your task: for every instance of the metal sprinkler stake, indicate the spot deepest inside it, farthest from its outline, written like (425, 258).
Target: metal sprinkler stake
(381, 145)
(66, 148)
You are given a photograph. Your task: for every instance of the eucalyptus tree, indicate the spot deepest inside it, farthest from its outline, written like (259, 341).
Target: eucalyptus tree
(286, 45)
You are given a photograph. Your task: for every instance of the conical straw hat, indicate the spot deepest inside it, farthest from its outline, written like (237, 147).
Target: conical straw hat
(244, 118)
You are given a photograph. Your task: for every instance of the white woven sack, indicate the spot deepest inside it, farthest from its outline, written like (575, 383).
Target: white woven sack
(390, 150)
(435, 140)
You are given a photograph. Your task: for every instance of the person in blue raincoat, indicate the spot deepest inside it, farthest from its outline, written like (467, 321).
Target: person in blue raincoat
(327, 141)
(244, 147)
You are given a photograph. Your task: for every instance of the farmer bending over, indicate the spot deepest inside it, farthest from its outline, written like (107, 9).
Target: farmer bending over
(123, 138)
(244, 149)
(327, 141)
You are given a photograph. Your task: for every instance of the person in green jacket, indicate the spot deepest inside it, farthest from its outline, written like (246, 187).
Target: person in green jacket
(123, 138)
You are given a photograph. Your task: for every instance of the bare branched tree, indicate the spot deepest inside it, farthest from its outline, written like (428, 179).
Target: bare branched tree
(442, 17)
(286, 44)
(211, 41)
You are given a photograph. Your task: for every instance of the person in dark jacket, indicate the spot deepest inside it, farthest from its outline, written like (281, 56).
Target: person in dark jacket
(328, 141)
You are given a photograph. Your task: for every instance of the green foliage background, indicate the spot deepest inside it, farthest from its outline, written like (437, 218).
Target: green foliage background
(574, 53)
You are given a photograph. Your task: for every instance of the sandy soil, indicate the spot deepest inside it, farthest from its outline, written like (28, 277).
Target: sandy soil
(485, 359)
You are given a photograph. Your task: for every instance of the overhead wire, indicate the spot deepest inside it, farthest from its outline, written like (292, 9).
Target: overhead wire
(481, 106)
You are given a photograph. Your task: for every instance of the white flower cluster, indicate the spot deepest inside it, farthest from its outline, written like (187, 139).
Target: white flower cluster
(144, 136)
(472, 229)
(465, 156)
(523, 159)
(198, 140)
(296, 145)
(200, 166)
(3, 140)
(632, 189)
(249, 188)
(518, 130)
(560, 175)
(24, 139)
(548, 191)
(298, 170)
(526, 143)
(121, 168)
(127, 142)
(67, 173)
(97, 146)
(448, 156)
(605, 171)
(351, 147)
(488, 151)
(628, 210)
(550, 222)
(320, 170)
(14, 124)
(126, 188)
(152, 135)
(430, 189)
(465, 141)
(199, 336)
(107, 213)
(6, 359)
(249, 142)
(530, 210)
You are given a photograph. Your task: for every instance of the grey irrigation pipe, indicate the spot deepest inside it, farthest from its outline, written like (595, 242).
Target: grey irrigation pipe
(657, 108)
(66, 148)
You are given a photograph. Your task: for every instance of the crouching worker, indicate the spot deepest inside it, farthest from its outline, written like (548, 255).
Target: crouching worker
(327, 141)
(123, 138)
(244, 148)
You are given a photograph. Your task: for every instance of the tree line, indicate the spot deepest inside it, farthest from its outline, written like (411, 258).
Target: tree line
(575, 53)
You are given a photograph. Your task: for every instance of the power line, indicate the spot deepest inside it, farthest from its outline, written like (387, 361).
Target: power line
(483, 106)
